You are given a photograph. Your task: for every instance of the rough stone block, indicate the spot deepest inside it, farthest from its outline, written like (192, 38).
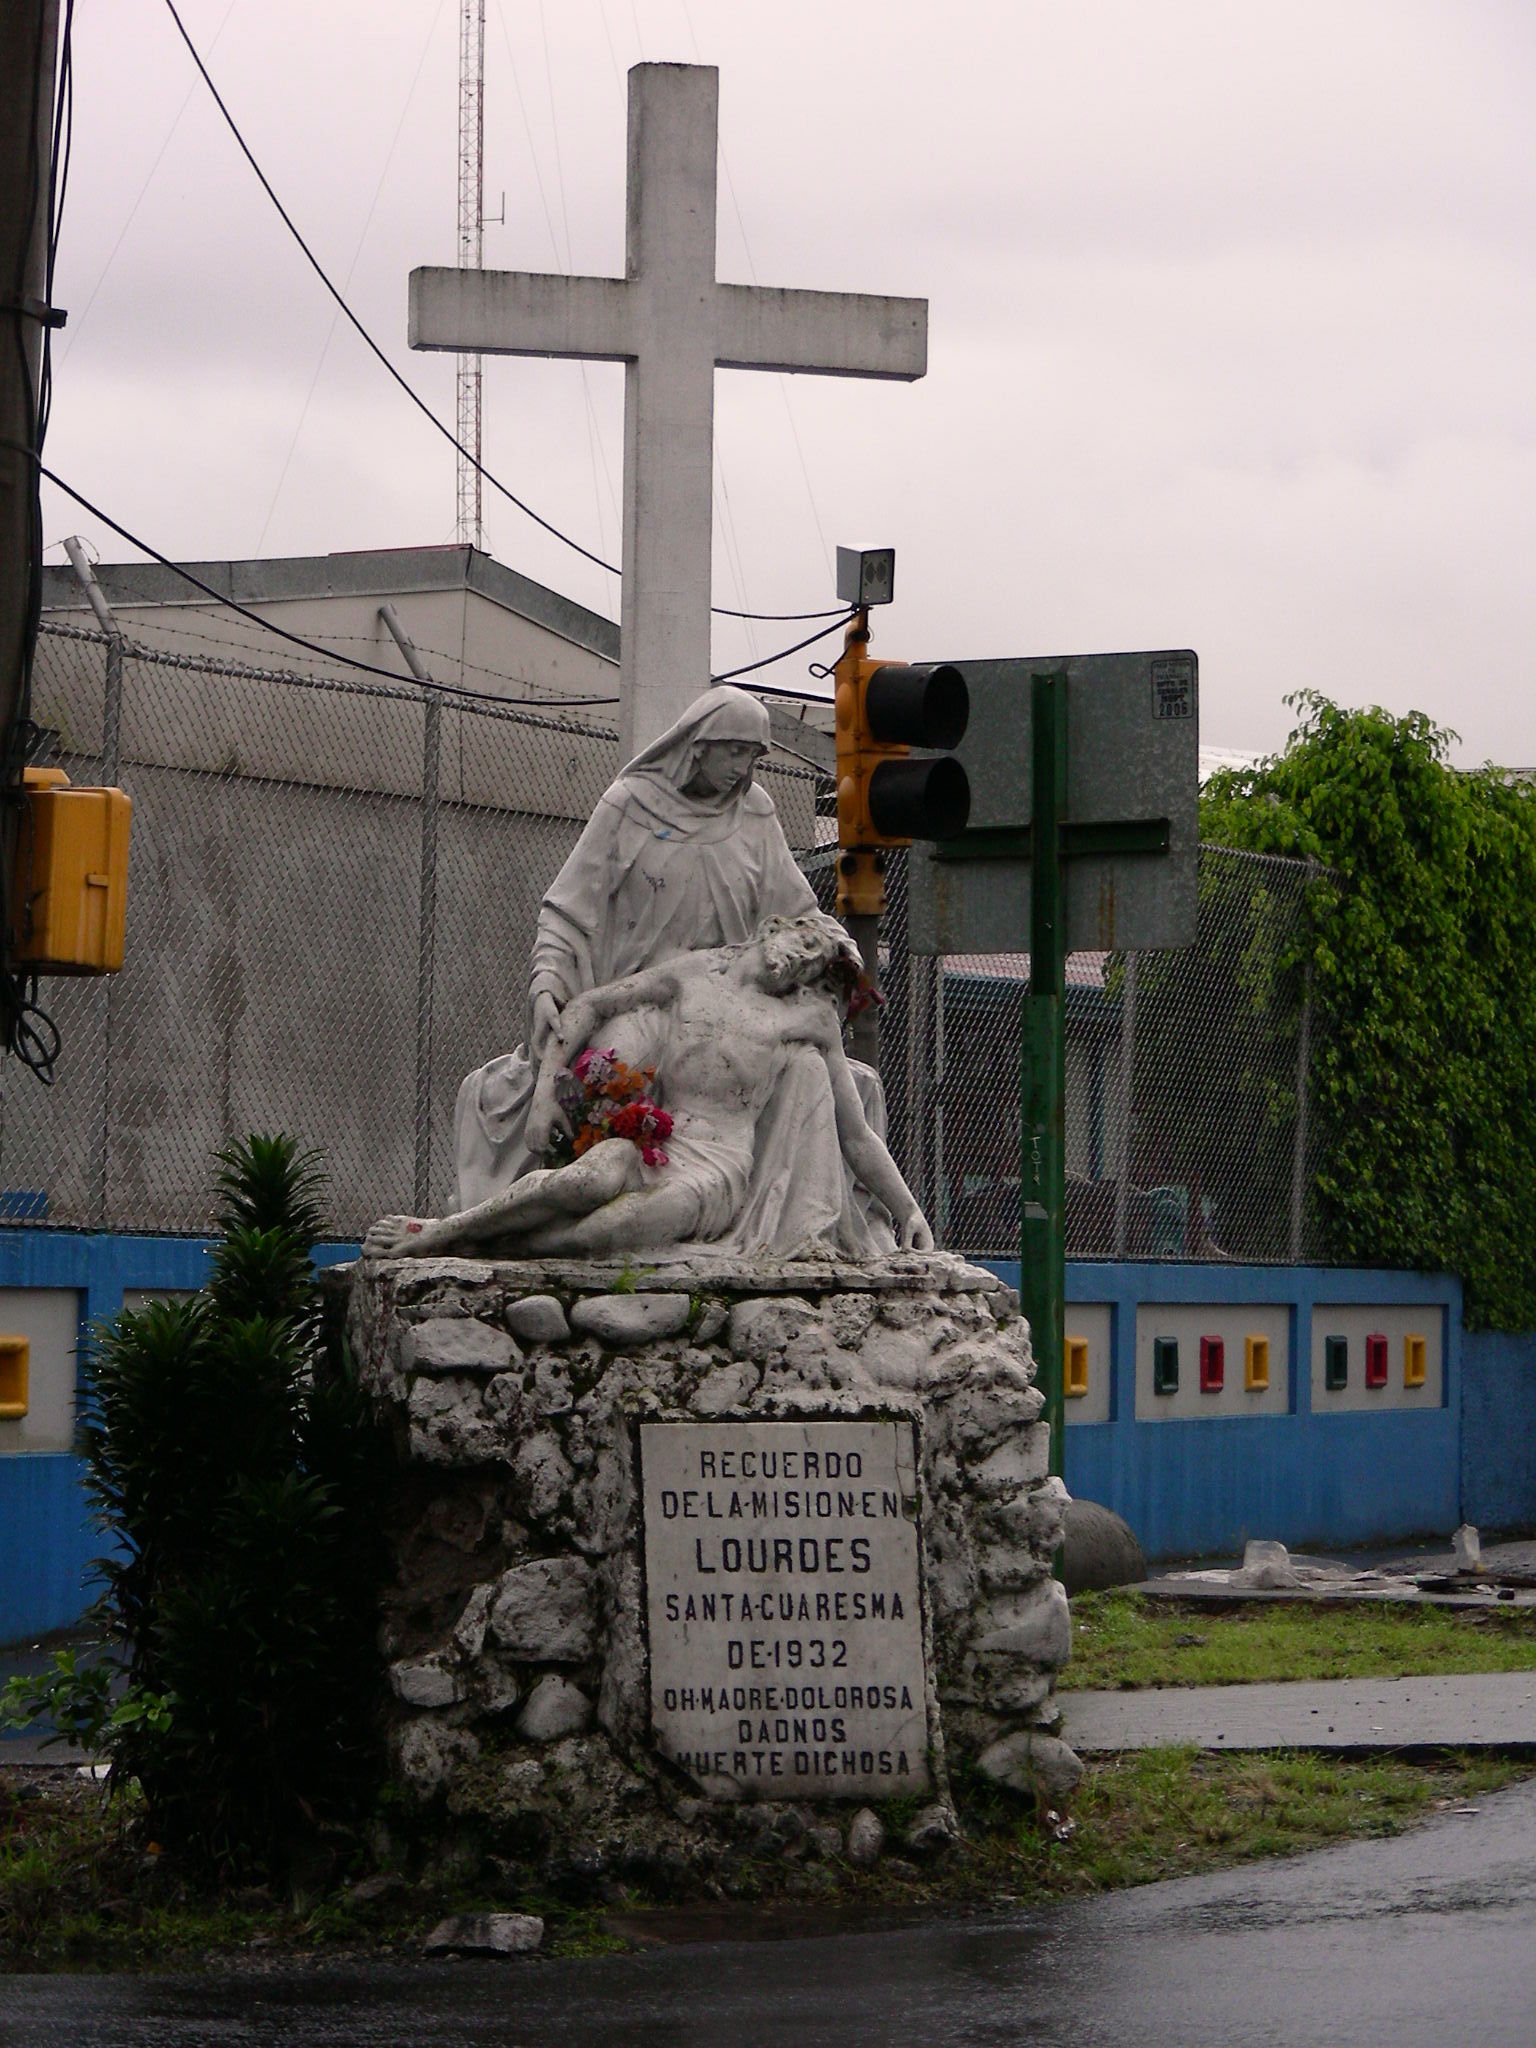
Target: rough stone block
(934, 1830)
(1033, 1628)
(469, 1630)
(1009, 1567)
(543, 1475)
(621, 1320)
(415, 1279)
(449, 1425)
(555, 1709)
(1029, 1760)
(601, 1505)
(445, 1344)
(711, 1322)
(542, 1611)
(724, 1388)
(623, 1707)
(849, 1317)
(494, 1687)
(979, 1415)
(428, 1753)
(1012, 1689)
(425, 1682)
(538, 1319)
(552, 1393)
(896, 1358)
(1019, 1463)
(866, 1838)
(761, 1329)
(486, 1934)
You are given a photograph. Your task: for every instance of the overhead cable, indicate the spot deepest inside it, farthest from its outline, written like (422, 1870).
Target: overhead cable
(723, 611)
(454, 690)
(369, 668)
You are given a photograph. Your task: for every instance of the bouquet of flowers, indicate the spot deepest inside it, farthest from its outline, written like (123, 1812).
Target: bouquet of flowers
(605, 1098)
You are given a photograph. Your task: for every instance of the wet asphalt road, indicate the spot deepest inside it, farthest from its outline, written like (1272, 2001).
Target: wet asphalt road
(1425, 1941)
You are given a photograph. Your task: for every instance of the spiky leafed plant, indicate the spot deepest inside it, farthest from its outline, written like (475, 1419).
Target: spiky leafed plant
(234, 1468)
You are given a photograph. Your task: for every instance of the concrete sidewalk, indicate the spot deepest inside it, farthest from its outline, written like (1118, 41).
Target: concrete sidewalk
(1475, 1710)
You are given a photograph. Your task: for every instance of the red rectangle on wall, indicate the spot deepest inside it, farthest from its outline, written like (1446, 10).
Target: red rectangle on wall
(1213, 1364)
(1376, 1361)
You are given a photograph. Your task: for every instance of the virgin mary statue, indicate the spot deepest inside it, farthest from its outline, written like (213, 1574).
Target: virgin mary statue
(683, 852)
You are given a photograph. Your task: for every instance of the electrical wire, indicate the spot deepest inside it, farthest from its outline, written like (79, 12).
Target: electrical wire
(419, 402)
(367, 668)
(768, 660)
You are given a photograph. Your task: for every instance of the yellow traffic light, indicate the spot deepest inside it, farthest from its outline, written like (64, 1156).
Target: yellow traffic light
(884, 797)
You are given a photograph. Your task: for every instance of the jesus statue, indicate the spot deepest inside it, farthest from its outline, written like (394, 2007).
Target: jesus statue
(718, 1028)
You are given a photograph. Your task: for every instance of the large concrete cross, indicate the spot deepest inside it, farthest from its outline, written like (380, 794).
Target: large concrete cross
(670, 323)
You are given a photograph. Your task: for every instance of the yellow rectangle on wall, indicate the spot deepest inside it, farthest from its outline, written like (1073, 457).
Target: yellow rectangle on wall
(15, 1374)
(1256, 1364)
(1074, 1374)
(1415, 1360)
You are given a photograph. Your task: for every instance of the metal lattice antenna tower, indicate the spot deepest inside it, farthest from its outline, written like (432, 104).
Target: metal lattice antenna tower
(471, 249)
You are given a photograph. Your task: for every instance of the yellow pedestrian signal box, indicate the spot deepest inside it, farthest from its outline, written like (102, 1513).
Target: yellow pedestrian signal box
(69, 900)
(884, 797)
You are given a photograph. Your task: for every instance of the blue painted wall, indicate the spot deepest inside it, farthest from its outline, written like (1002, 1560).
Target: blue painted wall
(46, 1538)
(1203, 1488)
(1498, 1429)
(1188, 1488)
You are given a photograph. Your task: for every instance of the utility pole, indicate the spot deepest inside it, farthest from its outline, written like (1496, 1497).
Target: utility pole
(29, 33)
(469, 531)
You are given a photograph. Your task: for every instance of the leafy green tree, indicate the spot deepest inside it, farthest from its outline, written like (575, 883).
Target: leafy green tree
(1421, 947)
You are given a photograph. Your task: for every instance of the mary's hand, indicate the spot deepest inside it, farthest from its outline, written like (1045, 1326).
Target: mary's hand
(544, 1018)
(545, 1116)
(915, 1234)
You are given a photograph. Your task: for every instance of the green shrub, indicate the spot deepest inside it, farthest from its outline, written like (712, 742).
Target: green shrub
(1421, 948)
(231, 1462)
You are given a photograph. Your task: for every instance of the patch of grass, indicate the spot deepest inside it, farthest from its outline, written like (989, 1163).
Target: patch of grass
(1124, 1641)
(1166, 1812)
(79, 1886)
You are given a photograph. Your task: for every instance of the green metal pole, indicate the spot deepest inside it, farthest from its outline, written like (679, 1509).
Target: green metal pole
(1043, 1189)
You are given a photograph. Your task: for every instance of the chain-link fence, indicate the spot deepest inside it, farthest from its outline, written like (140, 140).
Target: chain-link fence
(1187, 1133)
(332, 896)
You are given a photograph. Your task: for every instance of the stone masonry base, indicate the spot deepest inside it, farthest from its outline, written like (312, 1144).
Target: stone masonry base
(515, 1622)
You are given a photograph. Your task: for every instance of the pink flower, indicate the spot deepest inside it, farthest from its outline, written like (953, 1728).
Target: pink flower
(592, 1068)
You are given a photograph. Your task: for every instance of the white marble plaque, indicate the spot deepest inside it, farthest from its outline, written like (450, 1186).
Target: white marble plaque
(786, 1630)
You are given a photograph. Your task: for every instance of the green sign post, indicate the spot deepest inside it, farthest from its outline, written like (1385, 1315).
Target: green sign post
(1043, 1134)
(1049, 844)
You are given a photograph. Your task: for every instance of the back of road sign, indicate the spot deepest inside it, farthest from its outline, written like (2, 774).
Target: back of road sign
(1133, 729)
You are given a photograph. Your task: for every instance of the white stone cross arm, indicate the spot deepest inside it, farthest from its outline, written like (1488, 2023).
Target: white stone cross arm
(671, 323)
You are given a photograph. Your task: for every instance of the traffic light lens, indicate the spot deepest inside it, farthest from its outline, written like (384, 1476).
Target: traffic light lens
(920, 799)
(924, 704)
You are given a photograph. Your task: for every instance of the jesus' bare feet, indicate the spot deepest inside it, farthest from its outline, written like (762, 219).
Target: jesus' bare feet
(404, 1237)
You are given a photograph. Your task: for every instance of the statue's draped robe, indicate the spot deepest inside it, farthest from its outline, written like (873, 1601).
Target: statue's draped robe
(656, 873)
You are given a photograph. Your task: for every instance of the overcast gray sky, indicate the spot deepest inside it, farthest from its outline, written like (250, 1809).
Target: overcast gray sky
(1232, 316)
